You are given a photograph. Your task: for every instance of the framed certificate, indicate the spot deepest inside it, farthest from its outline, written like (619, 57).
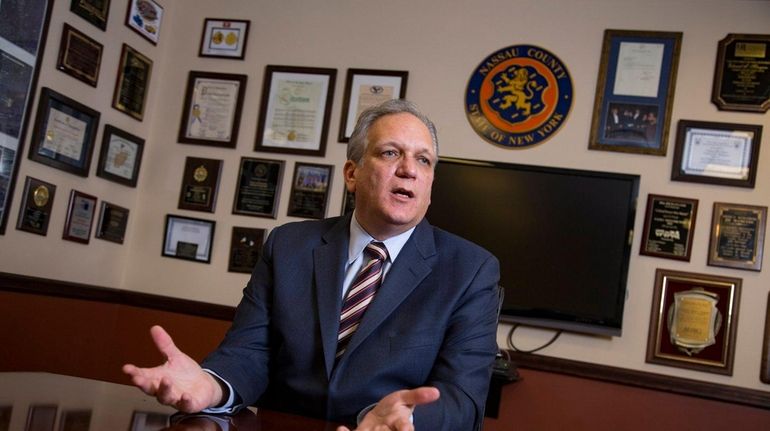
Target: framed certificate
(188, 238)
(635, 91)
(94, 11)
(258, 187)
(145, 17)
(716, 153)
(694, 321)
(120, 156)
(365, 88)
(80, 217)
(112, 224)
(133, 83)
(295, 109)
(741, 77)
(200, 184)
(669, 224)
(245, 249)
(737, 236)
(64, 133)
(224, 38)
(310, 190)
(212, 109)
(36, 206)
(79, 56)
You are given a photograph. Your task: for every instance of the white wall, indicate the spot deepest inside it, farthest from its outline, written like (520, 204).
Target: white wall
(439, 43)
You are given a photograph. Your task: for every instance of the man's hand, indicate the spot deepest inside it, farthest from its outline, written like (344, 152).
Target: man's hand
(180, 382)
(393, 412)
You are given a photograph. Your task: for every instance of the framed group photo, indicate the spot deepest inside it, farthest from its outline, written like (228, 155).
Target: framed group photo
(120, 156)
(365, 88)
(145, 17)
(188, 238)
(669, 225)
(310, 190)
(211, 114)
(737, 236)
(224, 38)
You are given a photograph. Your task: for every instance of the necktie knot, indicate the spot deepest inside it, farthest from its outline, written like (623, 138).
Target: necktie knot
(376, 250)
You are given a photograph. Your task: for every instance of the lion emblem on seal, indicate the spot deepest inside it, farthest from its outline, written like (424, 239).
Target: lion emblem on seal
(518, 93)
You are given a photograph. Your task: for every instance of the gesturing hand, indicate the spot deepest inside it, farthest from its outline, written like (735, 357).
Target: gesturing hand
(180, 382)
(393, 412)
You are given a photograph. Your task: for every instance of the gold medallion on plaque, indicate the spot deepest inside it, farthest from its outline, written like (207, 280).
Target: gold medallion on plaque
(200, 174)
(40, 196)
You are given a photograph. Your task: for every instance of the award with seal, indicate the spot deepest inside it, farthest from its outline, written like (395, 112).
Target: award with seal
(742, 76)
(35, 211)
(200, 183)
(259, 183)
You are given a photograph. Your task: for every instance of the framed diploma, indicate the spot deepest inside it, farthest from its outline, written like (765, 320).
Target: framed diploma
(212, 109)
(245, 249)
(295, 109)
(36, 206)
(737, 236)
(669, 224)
(64, 133)
(224, 38)
(200, 183)
(693, 321)
(742, 78)
(112, 224)
(188, 238)
(133, 83)
(79, 56)
(145, 17)
(764, 372)
(310, 190)
(635, 91)
(94, 11)
(716, 153)
(120, 156)
(258, 187)
(80, 217)
(365, 88)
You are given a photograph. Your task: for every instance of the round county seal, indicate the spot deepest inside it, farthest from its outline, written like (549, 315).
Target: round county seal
(518, 96)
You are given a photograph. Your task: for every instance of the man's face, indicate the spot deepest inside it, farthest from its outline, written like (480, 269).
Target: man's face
(393, 181)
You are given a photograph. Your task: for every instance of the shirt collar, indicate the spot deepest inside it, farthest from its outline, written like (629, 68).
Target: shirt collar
(359, 238)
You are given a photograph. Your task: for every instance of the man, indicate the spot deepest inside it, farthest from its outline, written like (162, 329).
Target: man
(420, 358)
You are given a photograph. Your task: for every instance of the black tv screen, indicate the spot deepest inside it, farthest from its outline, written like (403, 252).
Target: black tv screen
(563, 237)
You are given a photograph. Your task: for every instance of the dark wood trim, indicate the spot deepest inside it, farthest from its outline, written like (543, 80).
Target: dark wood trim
(66, 289)
(641, 379)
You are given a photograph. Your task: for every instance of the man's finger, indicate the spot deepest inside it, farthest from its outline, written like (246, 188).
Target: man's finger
(417, 396)
(163, 341)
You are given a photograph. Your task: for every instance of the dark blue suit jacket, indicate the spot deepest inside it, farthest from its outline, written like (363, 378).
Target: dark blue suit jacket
(433, 322)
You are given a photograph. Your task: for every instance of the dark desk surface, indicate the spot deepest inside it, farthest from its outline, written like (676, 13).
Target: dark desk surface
(48, 402)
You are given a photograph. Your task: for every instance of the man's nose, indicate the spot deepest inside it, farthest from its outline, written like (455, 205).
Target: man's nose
(407, 167)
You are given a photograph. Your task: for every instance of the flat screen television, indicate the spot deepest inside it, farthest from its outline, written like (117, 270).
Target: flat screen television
(563, 237)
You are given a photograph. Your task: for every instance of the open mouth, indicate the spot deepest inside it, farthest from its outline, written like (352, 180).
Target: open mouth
(403, 192)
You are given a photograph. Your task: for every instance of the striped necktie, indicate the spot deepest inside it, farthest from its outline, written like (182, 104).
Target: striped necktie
(361, 293)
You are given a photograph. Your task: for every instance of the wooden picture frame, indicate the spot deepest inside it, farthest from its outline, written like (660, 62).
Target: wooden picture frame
(741, 77)
(224, 38)
(120, 156)
(737, 236)
(258, 187)
(36, 206)
(145, 18)
(295, 110)
(188, 238)
(669, 227)
(81, 212)
(310, 190)
(112, 224)
(96, 12)
(212, 109)
(79, 56)
(200, 184)
(693, 321)
(133, 83)
(365, 88)
(635, 91)
(245, 249)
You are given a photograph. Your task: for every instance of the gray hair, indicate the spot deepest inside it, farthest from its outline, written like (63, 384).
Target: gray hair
(359, 140)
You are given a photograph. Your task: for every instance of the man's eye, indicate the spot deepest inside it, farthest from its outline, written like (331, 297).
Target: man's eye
(389, 153)
(424, 161)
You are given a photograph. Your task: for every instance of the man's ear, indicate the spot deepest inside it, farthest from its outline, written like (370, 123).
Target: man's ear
(349, 175)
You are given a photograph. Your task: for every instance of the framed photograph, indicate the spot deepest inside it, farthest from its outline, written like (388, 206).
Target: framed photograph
(310, 190)
(635, 91)
(669, 224)
(64, 133)
(75, 420)
(224, 38)
(737, 236)
(148, 421)
(365, 88)
(36, 206)
(120, 156)
(41, 418)
(295, 109)
(134, 71)
(245, 249)
(94, 11)
(716, 153)
(188, 238)
(693, 321)
(348, 202)
(145, 17)
(764, 373)
(741, 76)
(79, 56)
(200, 184)
(112, 224)
(212, 109)
(80, 217)
(258, 187)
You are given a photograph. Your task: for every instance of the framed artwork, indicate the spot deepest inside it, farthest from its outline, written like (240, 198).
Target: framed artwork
(245, 249)
(200, 184)
(94, 11)
(148, 421)
(365, 88)
(669, 224)
(133, 83)
(693, 321)
(764, 373)
(224, 38)
(741, 77)
(258, 187)
(635, 91)
(145, 17)
(64, 133)
(112, 224)
(310, 190)
(295, 109)
(41, 417)
(212, 109)
(737, 236)
(716, 153)
(79, 56)
(120, 156)
(36, 206)
(188, 238)
(80, 217)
